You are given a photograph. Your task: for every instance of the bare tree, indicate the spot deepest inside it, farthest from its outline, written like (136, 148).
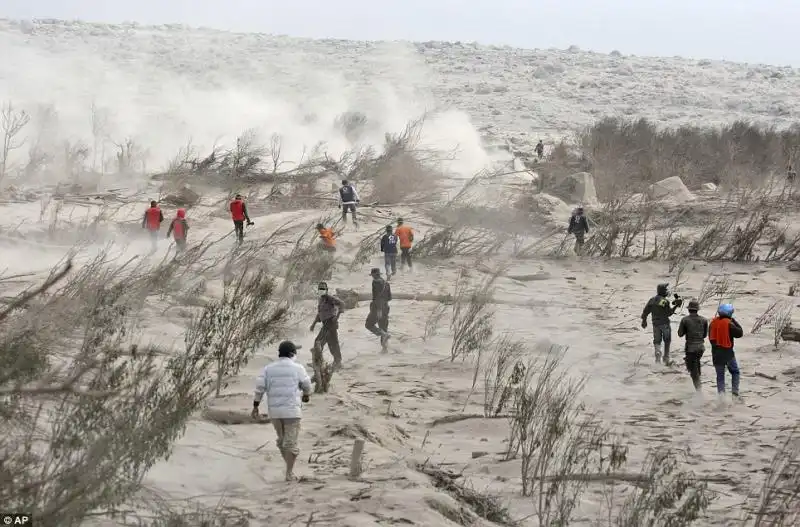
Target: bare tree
(100, 121)
(473, 316)
(778, 502)
(12, 121)
(230, 329)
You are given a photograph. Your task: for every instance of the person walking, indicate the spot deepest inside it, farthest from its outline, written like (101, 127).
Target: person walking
(405, 236)
(539, 150)
(348, 196)
(286, 385)
(579, 226)
(389, 250)
(379, 308)
(327, 238)
(179, 228)
(695, 329)
(658, 307)
(239, 215)
(329, 309)
(152, 222)
(721, 334)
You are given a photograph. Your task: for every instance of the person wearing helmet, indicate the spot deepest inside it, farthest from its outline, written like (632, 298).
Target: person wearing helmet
(659, 309)
(379, 308)
(389, 250)
(179, 228)
(695, 329)
(579, 226)
(348, 196)
(329, 309)
(721, 334)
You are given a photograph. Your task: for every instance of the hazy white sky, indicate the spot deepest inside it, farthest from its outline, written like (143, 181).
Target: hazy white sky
(740, 30)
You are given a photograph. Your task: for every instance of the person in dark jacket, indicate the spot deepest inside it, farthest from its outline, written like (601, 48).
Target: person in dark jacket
(379, 308)
(659, 308)
(721, 333)
(349, 198)
(329, 309)
(239, 215)
(579, 226)
(695, 329)
(389, 250)
(540, 149)
(179, 227)
(152, 222)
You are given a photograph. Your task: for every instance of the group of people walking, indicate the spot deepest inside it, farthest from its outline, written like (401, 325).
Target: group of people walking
(721, 332)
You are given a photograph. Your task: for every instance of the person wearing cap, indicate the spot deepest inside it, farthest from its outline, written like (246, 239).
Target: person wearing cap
(695, 328)
(379, 308)
(579, 226)
(405, 235)
(329, 308)
(239, 215)
(286, 384)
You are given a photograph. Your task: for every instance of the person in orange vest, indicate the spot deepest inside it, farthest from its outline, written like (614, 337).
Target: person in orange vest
(721, 333)
(179, 228)
(327, 238)
(405, 236)
(239, 215)
(152, 222)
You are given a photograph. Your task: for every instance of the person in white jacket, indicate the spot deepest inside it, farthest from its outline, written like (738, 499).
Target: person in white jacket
(286, 385)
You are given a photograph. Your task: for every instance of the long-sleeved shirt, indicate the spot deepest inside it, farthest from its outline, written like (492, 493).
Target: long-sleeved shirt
(283, 381)
(578, 223)
(695, 329)
(328, 307)
(659, 307)
(381, 291)
(389, 243)
(348, 194)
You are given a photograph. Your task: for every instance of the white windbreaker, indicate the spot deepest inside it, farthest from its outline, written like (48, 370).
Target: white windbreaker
(283, 382)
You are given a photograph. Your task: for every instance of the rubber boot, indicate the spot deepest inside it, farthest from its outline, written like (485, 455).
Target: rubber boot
(667, 361)
(657, 350)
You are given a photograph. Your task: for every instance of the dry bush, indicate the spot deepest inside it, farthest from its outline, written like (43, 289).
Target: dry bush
(433, 322)
(87, 412)
(230, 329)
(664, 495)
(369, 245)
(618, 225)
(449, 242)
(778, 315)
(626, 153)
(307, 264)
(717, 287)
(472, 316)
(165, 514)
(502, 374)
(12, 122)
(778, 501)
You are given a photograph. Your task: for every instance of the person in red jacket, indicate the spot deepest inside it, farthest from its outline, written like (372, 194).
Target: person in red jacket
(179, 228)
(152, 222)
(239, 215)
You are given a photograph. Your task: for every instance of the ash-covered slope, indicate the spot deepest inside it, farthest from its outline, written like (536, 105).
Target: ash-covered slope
(210, 81)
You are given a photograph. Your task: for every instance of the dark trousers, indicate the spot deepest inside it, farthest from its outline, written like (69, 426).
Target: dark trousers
(180, 244)
(405, 256)
(580, 239)
(349, 207)
(380, 316)
(238, 226)
(329, 334)
(692, 360)
(390, 263)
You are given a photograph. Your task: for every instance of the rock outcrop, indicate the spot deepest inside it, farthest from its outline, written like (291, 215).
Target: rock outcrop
(576, 188)
(671, 189)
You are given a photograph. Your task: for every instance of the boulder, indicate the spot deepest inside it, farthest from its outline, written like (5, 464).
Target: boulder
(548, 206)
(671, 189)
(577, 188)
(183, 197)
(710, 187)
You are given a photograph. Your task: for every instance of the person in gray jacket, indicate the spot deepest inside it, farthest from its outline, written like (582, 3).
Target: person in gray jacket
(377, 321)
(329, 308)
(659, 308)
(695, 329)
(286, 385)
